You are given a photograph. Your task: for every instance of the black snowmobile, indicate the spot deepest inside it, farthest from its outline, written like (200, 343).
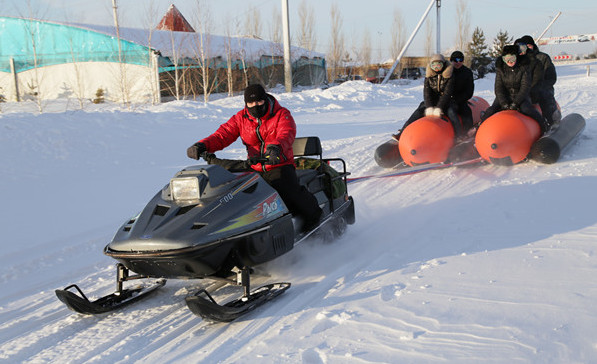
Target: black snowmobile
(211, 223)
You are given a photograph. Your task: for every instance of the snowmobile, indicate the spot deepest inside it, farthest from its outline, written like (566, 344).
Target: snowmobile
(212, 223)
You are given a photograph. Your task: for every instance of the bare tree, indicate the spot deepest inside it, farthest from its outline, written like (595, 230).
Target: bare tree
(336, 51)
(175, 59)
(229, 58)
(203, 40)
(306, 36)
(464, 24)
(150, 19)
(79, 89)
(2, 99)
(276, 25)
(124, 89)
(253, 22)
(397, 37)
(242, 54)
(364, 56)
(34, 86)
(428, 38)
(274, 73)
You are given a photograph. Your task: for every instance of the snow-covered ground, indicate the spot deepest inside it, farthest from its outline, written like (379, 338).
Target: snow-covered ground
(488, 264)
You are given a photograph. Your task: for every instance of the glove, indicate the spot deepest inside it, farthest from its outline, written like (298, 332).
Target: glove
(195, 150)
(505, 106)
(429, 111)
(513, 106)
(437, 112)
(546, 125)
(471, 132)
(272, 153)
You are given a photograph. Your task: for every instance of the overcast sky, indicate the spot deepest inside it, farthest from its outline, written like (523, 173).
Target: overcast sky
(375, 16)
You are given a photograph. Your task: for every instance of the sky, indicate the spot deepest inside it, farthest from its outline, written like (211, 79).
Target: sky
(373, 16)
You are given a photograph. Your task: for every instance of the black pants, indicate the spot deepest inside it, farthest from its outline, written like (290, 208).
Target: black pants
(546, 100)
(525, 108)
(466, 114)
(296, 197)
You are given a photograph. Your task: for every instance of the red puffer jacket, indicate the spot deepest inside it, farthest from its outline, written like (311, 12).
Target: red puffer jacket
(276, 127)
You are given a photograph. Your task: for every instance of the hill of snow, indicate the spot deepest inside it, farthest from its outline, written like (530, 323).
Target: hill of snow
(488, 264)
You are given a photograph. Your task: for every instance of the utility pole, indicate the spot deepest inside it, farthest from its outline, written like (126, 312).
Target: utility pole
(438, 47)
(115, 10)
(286, 35)
(412, 36)
(123, 79)
(549, 26)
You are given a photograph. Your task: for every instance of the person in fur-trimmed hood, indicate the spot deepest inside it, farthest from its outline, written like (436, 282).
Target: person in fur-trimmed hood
(437, 91)
(513, 86)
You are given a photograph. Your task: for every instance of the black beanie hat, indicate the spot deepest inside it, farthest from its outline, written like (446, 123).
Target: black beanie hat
(254, 93)
(527, 39)
(510, 49)
(456, 54)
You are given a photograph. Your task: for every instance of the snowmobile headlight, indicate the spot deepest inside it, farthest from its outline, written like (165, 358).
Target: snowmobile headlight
(185, 188)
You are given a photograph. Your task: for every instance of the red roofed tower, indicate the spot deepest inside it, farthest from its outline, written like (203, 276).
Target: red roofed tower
(174, 21)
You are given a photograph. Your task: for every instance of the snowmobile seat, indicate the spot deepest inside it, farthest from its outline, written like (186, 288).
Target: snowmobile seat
(313, 170)
(307, 146)
(307, 174)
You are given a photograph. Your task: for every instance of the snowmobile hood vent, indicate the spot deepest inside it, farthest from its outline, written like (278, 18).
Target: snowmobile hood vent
(161, 210)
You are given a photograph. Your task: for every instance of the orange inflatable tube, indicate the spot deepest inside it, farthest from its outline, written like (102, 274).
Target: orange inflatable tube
(429, 139)
(506, 137)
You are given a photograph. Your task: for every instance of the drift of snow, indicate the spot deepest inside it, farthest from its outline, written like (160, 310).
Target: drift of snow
(485, 264)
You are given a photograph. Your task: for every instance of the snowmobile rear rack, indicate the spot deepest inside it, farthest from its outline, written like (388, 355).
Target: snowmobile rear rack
(121, 297)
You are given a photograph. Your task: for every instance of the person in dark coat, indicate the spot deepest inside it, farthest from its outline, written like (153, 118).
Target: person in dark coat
(267, 130)
(513, 86)
(437, 91)
(542, 90)
(464, 87)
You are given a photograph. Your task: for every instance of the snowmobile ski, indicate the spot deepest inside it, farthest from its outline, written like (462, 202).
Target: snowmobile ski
(121, 297)
(81, 304)
(203, 304)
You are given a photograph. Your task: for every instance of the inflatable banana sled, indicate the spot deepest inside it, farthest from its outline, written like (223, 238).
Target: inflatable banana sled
(506, 137)
(509, 137)
(429, 139)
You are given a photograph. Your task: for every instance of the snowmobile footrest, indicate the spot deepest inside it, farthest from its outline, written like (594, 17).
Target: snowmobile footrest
(202, 303)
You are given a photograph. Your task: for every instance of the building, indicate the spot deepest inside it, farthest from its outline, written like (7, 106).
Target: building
(46, 60)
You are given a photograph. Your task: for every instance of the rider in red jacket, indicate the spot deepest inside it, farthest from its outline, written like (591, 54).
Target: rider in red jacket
(267, 130)
(262, 124)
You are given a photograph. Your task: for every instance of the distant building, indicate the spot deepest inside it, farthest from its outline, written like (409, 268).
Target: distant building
(173, 20)
(48, 60)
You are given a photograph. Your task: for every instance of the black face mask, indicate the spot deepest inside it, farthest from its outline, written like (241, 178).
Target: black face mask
(258, 111)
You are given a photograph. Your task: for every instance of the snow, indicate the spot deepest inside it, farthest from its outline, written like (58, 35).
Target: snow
(489, 264)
